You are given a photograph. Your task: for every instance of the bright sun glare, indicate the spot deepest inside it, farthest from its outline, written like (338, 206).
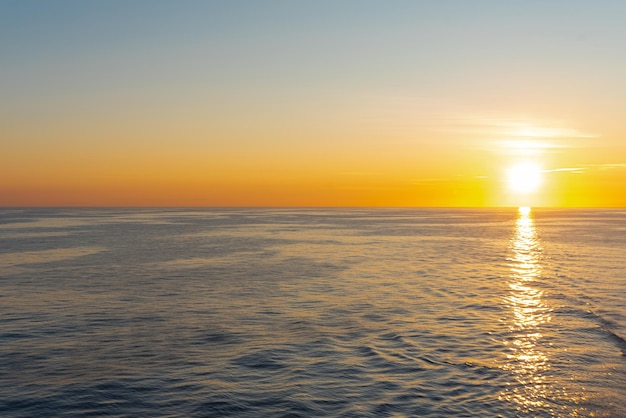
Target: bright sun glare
(524, 177)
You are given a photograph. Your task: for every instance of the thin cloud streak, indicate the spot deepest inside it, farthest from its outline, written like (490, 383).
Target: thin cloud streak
(606, 166)
(586, 167)
(571, 169)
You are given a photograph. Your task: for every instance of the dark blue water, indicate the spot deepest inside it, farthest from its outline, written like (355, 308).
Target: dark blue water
(279, 312)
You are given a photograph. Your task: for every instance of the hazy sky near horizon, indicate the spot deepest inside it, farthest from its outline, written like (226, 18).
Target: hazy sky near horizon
(307, 103)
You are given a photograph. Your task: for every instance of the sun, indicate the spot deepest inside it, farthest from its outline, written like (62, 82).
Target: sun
(524, 177)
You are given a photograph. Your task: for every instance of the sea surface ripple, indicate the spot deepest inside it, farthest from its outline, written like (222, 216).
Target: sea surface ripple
(312, 312)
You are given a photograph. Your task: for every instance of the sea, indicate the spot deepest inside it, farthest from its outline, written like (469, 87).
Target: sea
(279, 312)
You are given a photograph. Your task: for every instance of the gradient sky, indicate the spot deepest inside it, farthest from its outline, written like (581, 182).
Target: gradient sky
(311, 103)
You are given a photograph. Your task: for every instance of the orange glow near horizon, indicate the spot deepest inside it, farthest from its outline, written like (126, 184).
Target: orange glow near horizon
(342, 178)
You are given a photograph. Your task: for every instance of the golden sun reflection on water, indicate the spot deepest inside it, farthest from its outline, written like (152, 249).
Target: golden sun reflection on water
(525, 358)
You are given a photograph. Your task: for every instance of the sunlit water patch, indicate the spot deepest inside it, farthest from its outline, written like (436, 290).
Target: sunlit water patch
(45, 256)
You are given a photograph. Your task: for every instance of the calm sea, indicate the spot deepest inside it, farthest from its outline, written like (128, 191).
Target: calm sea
(312, 312)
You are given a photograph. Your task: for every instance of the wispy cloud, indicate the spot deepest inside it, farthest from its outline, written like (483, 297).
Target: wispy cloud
(526, 130)
(440, 115)
(512, 129)
(606, 166)
(525, 147)
(571, 169)
(587, 167)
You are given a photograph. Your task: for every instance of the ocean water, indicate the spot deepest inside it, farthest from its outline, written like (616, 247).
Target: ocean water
(312, 312)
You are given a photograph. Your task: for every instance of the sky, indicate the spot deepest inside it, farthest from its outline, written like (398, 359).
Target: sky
(312, 103)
